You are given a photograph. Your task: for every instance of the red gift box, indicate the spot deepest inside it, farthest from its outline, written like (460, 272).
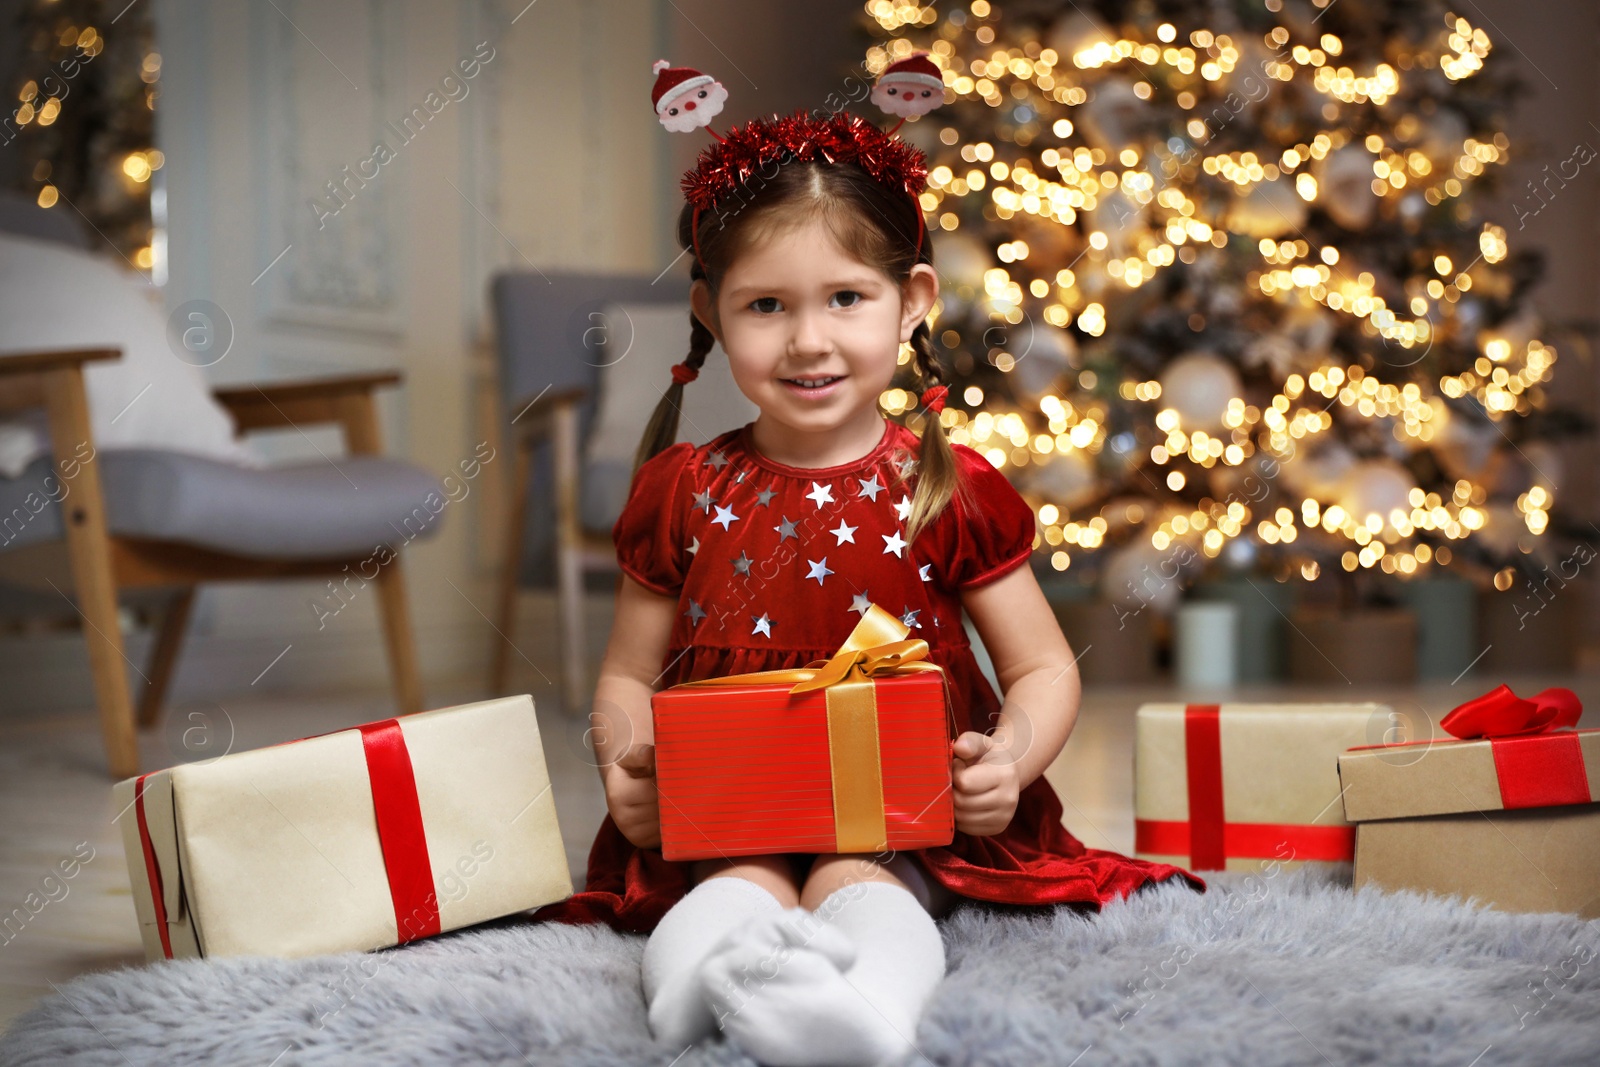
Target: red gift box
(847, 754)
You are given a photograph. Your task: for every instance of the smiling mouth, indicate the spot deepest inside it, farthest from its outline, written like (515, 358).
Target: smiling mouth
(813, 383)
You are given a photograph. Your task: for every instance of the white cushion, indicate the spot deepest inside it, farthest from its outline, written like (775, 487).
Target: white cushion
(653, 337)
(56, 297)
(289, 511)
(637, 349)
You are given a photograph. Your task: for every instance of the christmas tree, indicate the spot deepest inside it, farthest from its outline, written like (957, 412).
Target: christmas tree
(83, 121)
(1217, 290)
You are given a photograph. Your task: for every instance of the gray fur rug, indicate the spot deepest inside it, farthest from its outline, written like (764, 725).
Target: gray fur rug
(1272, 968)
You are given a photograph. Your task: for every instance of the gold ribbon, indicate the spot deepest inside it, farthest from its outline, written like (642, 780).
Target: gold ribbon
(875, 648)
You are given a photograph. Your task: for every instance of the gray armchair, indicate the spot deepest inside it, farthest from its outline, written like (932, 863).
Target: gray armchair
(559, 528)
(143, 519)
(135, 519)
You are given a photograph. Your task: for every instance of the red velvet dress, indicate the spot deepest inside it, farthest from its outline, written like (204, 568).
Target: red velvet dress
(772, 567)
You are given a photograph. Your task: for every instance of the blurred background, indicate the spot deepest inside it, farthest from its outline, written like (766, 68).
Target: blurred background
(1280, 313)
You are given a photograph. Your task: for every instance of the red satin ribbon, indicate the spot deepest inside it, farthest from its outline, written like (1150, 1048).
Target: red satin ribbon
(1249, 840)
(1540, 770)
(1501, 713)
(1202, 728)
(400, 831)
(151, 869)
(1208, 838)
(1538, 760)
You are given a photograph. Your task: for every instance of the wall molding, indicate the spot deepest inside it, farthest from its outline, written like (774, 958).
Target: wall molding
(340, 272)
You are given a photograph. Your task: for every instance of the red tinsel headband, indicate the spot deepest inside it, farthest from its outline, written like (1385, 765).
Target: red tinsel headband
(685, 100)
(757, 148)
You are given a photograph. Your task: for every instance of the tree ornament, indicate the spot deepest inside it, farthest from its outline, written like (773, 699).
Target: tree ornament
(1442, 136)
(1318, 473)
(1115, 117)
(1198, 387)
(1377, 487)
(1139, 575)
(1344, 183)
(1268, 209)
(1069, 479)
(962, 257)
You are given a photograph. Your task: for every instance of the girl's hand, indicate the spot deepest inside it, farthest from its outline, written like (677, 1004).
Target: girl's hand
(631, 796)
(984, 783)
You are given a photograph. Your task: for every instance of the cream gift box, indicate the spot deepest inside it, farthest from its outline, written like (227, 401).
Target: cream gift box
(352, 840)
(1228, 786)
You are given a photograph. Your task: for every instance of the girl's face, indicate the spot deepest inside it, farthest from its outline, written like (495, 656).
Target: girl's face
(811, 334)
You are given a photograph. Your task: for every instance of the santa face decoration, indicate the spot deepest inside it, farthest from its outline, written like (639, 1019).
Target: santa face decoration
(686, 99)
(909, 88)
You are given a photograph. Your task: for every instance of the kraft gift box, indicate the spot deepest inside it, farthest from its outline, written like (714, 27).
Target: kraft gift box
(1228, 786)
(1509, 819)
(352, 840)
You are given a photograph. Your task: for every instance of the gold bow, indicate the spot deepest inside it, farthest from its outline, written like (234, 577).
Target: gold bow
(875, 648)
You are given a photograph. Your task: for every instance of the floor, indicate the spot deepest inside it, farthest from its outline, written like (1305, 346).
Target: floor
(55, 803)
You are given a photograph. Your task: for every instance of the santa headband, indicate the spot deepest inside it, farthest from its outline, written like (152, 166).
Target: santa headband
(685, 100)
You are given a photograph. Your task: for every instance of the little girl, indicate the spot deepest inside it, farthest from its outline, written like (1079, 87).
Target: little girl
(761, 550)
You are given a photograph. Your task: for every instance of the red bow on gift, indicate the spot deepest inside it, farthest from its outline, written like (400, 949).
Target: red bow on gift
(1501, 713)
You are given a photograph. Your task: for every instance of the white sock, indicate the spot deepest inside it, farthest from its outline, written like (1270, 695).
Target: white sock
(840, 987)
(689, 930)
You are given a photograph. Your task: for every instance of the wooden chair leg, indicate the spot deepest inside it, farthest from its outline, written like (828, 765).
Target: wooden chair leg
(89, 546)
(393, 605)
(510, 571)
(164, 657)
(359, 416)
(569, 564)
(570, 578)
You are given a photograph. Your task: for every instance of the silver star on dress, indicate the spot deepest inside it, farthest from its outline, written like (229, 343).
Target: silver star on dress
(871, 489)
(820, 570)
(786, 531)
(717, 460)
(763, 625)
(725, 516)
(703, 500)
(742, 564)
(861, 604)
(909, 619)
(892, 543)
(907, 465)
(844, 533)
(903, 508)
(822, 494)
(922, 572)
(764, 497)
(695, 612)
(694, 546)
